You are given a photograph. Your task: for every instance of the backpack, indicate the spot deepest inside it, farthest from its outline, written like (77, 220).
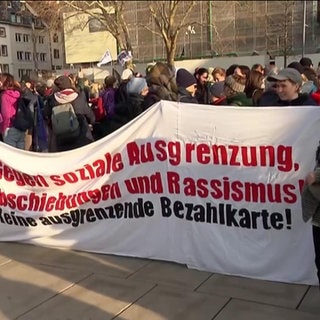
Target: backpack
(65, 123)
(23, 119)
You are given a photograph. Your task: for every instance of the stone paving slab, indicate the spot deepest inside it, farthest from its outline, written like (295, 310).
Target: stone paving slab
(23, 286)
(44, 283)
(95, 298)
(268, 292)
(171, 274)
(244, 310)
(169, 303)
(311, 301)
(99, 263)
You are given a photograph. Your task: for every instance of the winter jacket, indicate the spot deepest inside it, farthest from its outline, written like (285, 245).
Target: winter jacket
(108, 101)
(185, 96)
(8, 105)
(83, 111)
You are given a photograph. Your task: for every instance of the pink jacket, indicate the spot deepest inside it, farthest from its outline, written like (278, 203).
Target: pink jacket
(8, 105)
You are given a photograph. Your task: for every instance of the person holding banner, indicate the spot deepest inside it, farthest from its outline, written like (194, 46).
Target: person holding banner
(288, 87)
(310, 199)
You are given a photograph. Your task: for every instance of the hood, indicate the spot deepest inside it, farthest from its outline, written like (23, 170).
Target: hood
(65, 96)
(15, 94)
(308, 87)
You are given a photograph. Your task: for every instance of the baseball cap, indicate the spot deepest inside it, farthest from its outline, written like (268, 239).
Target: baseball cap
(287, 74)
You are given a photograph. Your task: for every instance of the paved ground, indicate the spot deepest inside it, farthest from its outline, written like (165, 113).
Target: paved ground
(39, 283)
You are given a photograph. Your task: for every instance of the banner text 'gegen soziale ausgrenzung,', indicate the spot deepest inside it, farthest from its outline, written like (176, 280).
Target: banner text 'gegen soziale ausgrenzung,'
(166, 179)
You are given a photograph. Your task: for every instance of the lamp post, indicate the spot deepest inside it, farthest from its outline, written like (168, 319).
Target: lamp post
(304, 27)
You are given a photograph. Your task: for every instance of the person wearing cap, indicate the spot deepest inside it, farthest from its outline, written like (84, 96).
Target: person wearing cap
(187, 86)
(288, 87)
(234, 86)
(131, 105)
(137, 89)
(216, 92)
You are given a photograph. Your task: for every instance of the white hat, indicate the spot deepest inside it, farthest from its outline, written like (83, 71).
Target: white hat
(126, 74)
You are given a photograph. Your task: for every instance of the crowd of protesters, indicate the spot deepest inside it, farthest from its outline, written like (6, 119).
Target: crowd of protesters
(104, 108)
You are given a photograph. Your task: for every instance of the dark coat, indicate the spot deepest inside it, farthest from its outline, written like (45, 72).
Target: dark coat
(185, 96)
(270, 98)
(85, 117)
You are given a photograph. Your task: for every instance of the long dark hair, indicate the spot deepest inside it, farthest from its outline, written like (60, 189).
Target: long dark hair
(8, 82)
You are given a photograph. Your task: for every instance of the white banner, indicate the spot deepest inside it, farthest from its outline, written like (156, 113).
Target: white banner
(216, 188)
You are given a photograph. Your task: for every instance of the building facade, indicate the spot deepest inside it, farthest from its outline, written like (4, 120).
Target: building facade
(226, 28)
(27, 46)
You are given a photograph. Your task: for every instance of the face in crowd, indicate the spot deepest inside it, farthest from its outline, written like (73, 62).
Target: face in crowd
(287, 90)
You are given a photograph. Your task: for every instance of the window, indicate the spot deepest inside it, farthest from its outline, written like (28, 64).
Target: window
(13, 17)
(9, 4)
(56, 53)
(41, 39)
(27, 56)
(55, 38)
(26, 38)
(4, 50)
(20, 55)
(18, 18)
(21, 72)
(2, 32)
(18, 37)
(5, 68)
(42, 57)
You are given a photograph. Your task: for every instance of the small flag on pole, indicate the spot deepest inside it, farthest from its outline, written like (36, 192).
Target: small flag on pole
(106, 58)
(124, 56)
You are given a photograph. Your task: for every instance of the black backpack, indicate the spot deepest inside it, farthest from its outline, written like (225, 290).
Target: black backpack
(23, 119)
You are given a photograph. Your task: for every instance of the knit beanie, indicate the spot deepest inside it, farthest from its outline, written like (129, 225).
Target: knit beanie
(235, 82)
(136, 85)
(63, 82)
(216, 90)
(184, 78)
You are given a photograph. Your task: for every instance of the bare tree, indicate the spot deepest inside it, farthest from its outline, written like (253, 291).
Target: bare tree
(169, 18)
(280, 28)
(110, 14)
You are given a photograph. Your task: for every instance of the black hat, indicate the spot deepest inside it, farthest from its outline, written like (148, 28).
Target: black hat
(63, 82)
(296, 65)
(184, 78)
(306, 62)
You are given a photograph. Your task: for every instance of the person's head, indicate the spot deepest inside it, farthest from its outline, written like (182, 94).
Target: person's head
(218, 74)
(137, 86)
(289, 82)
(161, 74)
(231, 70)
(109, 81)
(242, 71)
(7, 81)
(306, 62)
(217, 91)
(258, 67)
(202, 76)
(186, 80)
(255, 81)
(233, 85)
(63, 82)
